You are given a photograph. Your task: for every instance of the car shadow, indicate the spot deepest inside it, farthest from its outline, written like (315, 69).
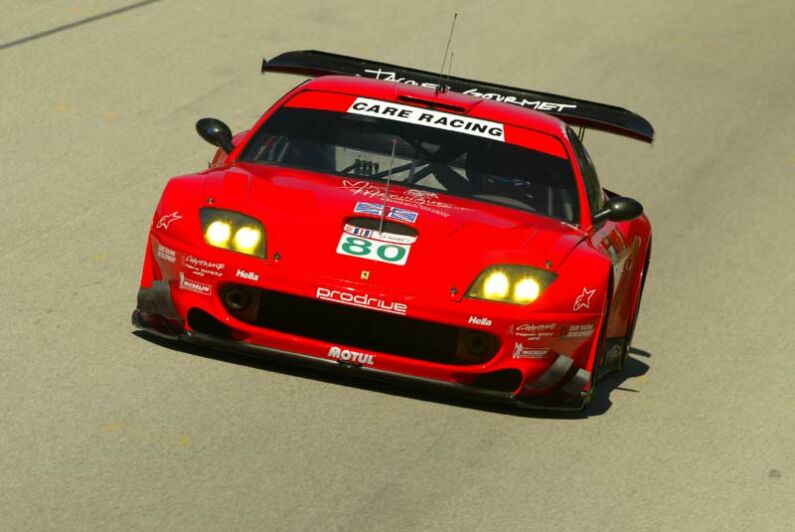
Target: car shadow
(600, 405)
(634, 367)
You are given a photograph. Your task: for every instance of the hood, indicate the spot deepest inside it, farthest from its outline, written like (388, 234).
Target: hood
(305, 213)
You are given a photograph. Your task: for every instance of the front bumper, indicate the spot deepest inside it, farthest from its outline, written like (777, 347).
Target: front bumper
(568, 397)
(558, 378)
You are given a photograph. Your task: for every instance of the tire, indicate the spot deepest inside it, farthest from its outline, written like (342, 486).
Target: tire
(631, 328)
(599, 355)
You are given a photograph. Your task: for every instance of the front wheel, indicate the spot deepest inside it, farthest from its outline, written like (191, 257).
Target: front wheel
(599, 357)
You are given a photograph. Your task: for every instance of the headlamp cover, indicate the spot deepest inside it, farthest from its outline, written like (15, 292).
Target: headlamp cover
(511, 283)
(233, 231)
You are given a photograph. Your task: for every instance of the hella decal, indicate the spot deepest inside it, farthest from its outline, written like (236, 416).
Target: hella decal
(361, 300)
(250, 276)
(474, 320)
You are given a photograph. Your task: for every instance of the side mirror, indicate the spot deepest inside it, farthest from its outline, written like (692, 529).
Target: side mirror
(216, 133)
(619, 210)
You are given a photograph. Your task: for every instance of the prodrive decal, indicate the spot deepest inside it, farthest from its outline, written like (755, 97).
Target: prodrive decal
(361, 300)
(426, 117)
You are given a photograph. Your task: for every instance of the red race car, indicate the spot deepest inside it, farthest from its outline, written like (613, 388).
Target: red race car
(440, 231)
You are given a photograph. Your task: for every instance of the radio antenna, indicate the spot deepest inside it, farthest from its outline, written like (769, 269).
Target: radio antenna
(441, 87)
(450, 67)
(386, 190)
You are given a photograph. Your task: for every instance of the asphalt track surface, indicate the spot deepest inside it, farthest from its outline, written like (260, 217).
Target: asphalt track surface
(102, 429)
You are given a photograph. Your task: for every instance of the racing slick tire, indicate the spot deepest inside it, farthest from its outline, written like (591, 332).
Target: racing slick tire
(631, 329)
(599, 355)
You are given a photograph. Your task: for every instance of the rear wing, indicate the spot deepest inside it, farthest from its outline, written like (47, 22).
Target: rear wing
(580, 113)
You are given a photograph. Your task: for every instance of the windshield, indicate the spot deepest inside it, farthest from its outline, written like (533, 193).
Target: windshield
(430, 158)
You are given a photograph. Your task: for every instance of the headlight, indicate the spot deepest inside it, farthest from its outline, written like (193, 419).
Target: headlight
(511, 283)
(234, 231)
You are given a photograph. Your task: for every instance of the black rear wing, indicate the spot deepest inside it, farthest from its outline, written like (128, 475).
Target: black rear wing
(580, 113)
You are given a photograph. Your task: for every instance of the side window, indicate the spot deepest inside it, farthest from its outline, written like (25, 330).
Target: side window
(596, 197)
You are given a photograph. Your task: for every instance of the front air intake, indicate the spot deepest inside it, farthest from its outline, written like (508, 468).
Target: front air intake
(372, 330)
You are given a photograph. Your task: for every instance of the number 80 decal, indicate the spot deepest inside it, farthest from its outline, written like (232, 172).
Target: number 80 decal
(365, 248)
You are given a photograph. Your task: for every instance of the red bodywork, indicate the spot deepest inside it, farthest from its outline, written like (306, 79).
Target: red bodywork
(303, 214)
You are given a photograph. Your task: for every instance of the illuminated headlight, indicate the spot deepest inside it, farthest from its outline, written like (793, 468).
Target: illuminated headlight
(511, 283)
(234, 231)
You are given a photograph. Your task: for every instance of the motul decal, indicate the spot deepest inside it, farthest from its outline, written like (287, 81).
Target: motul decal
(353, 357)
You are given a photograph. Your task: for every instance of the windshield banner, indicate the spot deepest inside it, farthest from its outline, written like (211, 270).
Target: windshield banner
(427, 117)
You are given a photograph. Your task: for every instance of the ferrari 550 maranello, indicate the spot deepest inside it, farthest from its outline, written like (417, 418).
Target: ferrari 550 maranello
(440, 231)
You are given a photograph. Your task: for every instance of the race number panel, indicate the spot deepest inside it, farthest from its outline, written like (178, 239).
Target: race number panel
(366, 248)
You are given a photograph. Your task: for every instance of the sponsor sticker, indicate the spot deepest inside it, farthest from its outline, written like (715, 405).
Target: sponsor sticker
(194, 286)
(361, 300)
(350, 356)
(167, 254)
(540, 105)
(412, 198)
(474, 320)
(167, 220)
(375, 235)
(535, 331)
(249, 276)
(201, 267)
(367, 248)
(579, 331)
(427, 117)
(392, 213)
(522, 351)
(583, 300)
